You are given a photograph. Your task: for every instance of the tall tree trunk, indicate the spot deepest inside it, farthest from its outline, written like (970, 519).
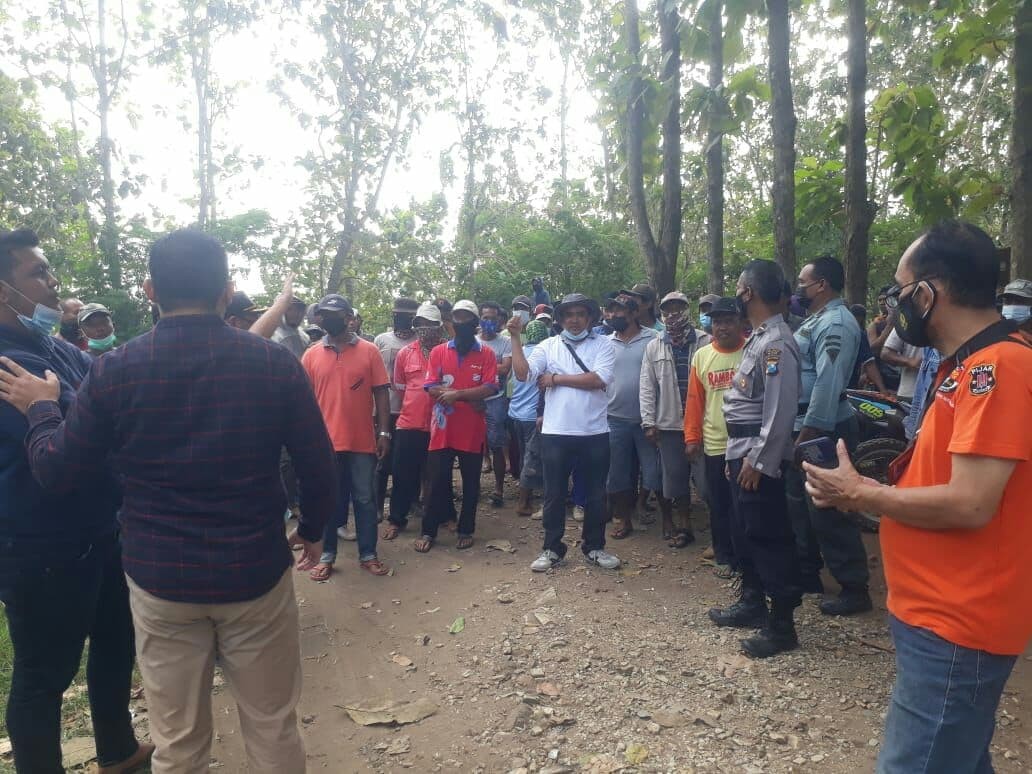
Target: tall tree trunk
(661, 257)
(783, 129)
(859, 210)
(109, 231)
(664, 275)
(1021, 144)
(199, 56)
(564, 111)
(635, 140)
(715, 154)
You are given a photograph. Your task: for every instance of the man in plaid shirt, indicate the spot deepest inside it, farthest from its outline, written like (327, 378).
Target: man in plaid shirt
(192, 416)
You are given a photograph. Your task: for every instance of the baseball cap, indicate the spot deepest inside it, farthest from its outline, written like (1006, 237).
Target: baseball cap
(709, 298)
(543, 309)
(405, 306)
(91, 309)
(429, 312)
(1019, 287)
(523, 301)
(625, 303)
(241, 303)
(466, 305)
(724, 306)
(673, 295)
(642, 291)
(335, 303)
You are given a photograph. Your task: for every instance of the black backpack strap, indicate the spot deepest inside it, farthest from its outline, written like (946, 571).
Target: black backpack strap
(573, 352)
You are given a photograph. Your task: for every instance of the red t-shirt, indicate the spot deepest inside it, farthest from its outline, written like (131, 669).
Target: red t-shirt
(343, 383)
(972, 587)
(409, 378)
(462, 425)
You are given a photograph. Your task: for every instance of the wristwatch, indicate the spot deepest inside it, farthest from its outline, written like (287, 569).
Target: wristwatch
(384, 434)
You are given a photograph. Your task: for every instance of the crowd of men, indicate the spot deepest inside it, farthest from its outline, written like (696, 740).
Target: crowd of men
(146, 484)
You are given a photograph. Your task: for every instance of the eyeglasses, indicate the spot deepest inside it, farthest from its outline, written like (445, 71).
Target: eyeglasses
(892, 295)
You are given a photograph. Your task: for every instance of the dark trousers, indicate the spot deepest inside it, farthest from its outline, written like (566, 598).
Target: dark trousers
(409, 452)
(441, 506)
(762, 537)
(384, 469)
(559, 455)
(826, 532)
(718, 500)
(51, 611)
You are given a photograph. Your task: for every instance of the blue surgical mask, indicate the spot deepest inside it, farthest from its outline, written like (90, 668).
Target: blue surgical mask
(488, 327)
(1019, 313)
(102, 345)
(576, 336)
(705, 322)
(43, 319)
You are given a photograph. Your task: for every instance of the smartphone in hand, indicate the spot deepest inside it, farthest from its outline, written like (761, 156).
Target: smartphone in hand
(820, 452)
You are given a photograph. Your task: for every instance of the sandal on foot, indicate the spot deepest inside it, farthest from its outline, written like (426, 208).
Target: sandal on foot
(321, 572)
(464, 542)
(497, 501)
(424, 544)
(681, 540)
(391, 531)
(374, 567)
(304, 564)
(621, 531)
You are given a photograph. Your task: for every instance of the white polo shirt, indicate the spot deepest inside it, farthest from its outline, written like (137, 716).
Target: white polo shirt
(569, 411)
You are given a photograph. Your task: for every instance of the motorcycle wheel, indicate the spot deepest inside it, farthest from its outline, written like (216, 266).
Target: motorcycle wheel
(872, 459)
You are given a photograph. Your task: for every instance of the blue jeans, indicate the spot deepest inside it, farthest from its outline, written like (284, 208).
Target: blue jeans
(627, 444)
(356, 474)
(943, 710)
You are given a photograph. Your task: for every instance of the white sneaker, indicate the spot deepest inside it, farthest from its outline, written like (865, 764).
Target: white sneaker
(346, 533)
(538, 515)
(578, 513)
(603, 559)
(546, 561)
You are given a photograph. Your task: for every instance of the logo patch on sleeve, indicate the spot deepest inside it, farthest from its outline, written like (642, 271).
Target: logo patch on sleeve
(983, 379)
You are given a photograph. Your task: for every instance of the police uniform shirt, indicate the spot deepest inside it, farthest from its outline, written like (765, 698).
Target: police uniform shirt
(828, 341)
(765, 393)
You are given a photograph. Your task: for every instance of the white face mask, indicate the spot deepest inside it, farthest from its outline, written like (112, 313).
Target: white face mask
(523, 314)
(1019, 313)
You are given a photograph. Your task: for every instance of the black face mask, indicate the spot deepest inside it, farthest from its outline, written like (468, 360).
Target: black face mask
(802, 298)
(618, 324)
(402, 322)
(743, 310)
(465, 335)
(911, 325)
(334, 325)
(70, 332)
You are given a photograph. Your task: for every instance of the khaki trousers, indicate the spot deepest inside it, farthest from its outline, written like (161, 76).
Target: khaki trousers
(258, 649)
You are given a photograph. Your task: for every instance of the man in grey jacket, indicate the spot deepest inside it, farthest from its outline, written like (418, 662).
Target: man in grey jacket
(665, 370)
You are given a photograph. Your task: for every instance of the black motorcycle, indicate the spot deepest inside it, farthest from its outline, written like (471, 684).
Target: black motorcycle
(882, 437)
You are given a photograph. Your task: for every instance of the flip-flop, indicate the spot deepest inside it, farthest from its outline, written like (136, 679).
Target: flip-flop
(391, 531)
(619, 533)
(464, 542)
(304, 564)
(497, 501)
(321, 572)
(423, 545)
(374, 567)
(681, 540)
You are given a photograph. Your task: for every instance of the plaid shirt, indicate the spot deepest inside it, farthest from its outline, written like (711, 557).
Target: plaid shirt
(194, 415)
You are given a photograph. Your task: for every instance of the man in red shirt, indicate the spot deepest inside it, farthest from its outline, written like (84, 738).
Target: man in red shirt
(460, 375)
(955, 533)
(349, 379)
(412, 432)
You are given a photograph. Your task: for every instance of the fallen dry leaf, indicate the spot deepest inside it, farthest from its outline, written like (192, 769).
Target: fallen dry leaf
(457, 625)
(454, 568)
(404, 661)
(501, 545)
(400, 712)
(548, 689)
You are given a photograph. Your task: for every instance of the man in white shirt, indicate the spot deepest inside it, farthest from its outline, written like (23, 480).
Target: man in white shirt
(574, 369)
(907, 358)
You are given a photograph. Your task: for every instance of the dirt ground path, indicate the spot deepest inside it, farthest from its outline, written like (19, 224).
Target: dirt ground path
(581, 669)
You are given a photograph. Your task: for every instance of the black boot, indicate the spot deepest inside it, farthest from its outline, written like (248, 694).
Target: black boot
(778, 636)
(851, 601)
(749, 612)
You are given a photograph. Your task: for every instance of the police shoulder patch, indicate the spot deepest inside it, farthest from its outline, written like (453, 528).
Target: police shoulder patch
(983, 379)
(772, 357)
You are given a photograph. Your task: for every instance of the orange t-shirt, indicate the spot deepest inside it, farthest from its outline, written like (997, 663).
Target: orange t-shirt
(972, 587)
(343, 383)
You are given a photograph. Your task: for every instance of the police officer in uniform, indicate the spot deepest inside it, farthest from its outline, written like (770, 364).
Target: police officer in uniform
(760, 408)
(828, 341)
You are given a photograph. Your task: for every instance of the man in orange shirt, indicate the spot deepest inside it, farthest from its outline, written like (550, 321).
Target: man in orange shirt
(956, 536)
(349, 379)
